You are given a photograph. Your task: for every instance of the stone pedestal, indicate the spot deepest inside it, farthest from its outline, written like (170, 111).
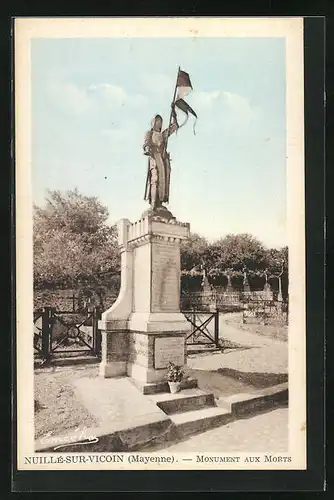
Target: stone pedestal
(144, 329)
(280, 295)
(267, 292)
(229, 287)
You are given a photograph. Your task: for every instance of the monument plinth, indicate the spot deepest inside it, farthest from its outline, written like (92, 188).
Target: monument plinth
(144, 329)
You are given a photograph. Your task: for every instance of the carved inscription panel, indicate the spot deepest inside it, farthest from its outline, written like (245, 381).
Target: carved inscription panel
(165, 278)
(168, 349)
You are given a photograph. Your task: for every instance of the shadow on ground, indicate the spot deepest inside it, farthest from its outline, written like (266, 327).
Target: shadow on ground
(218, 384)
(225, 382)
(255, 379)
(195, 350)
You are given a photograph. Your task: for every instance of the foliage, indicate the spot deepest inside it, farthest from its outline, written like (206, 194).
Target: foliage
(277, 261)
(174, 373)
(192, 253)
(234, 252)
(72, 241)
(229, 256)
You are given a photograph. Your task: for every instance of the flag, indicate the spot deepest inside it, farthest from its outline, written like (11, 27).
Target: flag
(183, 84)
(184, 106)
(184, 87)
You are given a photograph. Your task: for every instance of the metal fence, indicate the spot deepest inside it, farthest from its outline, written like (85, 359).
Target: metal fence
(210, 301)
(204, 328)
(266, 312)
(66, 334)
(255, 306)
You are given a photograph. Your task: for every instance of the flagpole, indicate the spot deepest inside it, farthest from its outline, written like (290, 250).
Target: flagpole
(171, 111)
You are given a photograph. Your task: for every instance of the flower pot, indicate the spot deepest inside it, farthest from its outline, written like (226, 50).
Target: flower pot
(174, 387)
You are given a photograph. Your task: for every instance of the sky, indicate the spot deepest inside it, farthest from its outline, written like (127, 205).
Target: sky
(93, 101)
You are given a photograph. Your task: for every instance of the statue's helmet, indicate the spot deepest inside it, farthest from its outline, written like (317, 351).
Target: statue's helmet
(156, 118)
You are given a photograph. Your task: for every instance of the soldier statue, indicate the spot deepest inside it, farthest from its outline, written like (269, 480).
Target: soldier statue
(158, 172)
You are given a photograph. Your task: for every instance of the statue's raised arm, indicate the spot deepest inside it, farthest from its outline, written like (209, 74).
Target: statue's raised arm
(172, 127)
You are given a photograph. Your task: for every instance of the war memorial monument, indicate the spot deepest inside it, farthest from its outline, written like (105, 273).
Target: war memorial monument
(144, 329)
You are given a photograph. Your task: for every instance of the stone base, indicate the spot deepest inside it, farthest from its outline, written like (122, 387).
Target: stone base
(145, 375)
(112, 369)
(150, 353)
(114, 353)
(143, 356)
(159, 212)
(158, 322)
(159, 387)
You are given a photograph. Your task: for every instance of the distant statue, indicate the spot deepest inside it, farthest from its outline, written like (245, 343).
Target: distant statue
(280, 294)
(158, 172)
(245, 280)
(205, 282)
(267, 292)
(229, 287)
(266, 287)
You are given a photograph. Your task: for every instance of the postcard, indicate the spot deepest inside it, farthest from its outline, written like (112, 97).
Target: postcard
(160, 243)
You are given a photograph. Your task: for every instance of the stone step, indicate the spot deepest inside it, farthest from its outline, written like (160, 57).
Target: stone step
(270, 397)
(162, 386)
(183, 401)
(67, 361)
(192, 422)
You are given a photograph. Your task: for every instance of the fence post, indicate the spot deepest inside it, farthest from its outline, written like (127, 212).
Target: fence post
(96, 332)
(216, 327)
(46, 332)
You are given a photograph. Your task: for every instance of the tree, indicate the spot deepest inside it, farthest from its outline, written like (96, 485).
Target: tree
(192, 260)
(192, 253)
(72, 241)
(230, 254)
(277, 261)
(234, 252)
(278, 266)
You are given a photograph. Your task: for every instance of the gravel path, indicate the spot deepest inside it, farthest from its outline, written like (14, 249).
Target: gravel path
(256, 354)
(231, 328)
(262, 433)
